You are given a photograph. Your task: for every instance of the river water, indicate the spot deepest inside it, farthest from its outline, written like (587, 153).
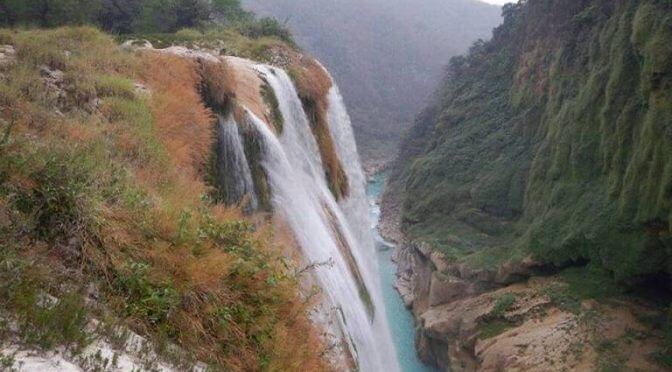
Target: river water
(399, 317)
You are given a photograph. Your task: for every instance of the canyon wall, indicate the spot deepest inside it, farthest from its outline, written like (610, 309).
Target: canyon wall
(540, 175)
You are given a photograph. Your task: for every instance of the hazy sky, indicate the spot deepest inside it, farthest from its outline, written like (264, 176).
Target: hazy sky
(498, 2)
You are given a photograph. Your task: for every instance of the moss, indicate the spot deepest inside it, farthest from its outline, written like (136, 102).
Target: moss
(493, 329)
(271, 101)
(254, 155)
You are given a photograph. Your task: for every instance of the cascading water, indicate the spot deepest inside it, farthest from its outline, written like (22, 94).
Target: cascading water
(233, 172)
(326, 230)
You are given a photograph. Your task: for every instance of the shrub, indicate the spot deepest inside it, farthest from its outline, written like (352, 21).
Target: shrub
(265, 27)
(503, 304)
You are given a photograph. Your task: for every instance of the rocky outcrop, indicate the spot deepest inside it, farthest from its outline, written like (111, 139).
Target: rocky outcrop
(482, 325)
(507, 319)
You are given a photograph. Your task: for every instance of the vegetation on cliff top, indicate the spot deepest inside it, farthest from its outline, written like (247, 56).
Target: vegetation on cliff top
(552, 139)
(102, 182)
(140, 17)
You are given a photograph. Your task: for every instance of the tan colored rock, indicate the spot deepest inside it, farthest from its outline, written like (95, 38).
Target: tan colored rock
(540, 336)
(439, 260)
(444, 289)
(248, 88)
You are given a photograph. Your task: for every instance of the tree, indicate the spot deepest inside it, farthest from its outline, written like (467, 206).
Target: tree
(191, 13)
(119, 16)
(13, 12)
(228, 11)
(156, 16)
(77, 12)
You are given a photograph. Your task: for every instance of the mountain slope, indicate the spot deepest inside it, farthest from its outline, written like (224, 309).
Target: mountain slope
(386, 56)
(553, 139)
(535, 191)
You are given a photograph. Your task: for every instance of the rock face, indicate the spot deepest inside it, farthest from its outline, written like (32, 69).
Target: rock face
(509, 320)
(468, 325)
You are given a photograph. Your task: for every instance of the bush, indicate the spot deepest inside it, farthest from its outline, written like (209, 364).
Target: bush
(265, 27)
(503, 304)
(133, 16)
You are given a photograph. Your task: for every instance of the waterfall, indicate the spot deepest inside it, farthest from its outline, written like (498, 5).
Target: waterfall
(233, 171)
(356, 209)
(328, 231)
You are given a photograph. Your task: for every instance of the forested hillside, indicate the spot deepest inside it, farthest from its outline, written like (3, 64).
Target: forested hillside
(387, 56)
(554, 140)
(138, 16)
(535, 193)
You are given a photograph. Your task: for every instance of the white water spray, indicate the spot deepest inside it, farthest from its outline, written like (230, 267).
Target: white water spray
(234, 171)
(326, 230)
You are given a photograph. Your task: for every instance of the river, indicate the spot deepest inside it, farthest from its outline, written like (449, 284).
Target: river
(399, 317)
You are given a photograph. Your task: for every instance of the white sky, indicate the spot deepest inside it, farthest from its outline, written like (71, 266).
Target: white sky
(498, 2)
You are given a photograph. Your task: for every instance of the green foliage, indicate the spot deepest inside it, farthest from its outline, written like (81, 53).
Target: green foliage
(552, 139)
(268, 94)
(143, 298)
(115, 86)
(503, 304)
(7, 362)
(591, 282)
(144, 16)
(583, 283)
(494, 328)
(265, 27)
(227, 40)
(44, 321)
(91, 196)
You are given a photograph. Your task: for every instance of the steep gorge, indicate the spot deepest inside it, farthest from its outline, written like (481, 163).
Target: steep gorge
(385, 55)
(538, 180)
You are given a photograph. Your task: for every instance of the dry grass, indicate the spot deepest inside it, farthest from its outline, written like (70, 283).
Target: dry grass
(184, 125)
(118, 196)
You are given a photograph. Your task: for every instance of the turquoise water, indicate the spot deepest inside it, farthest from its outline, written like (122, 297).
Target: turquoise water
(398, 316)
